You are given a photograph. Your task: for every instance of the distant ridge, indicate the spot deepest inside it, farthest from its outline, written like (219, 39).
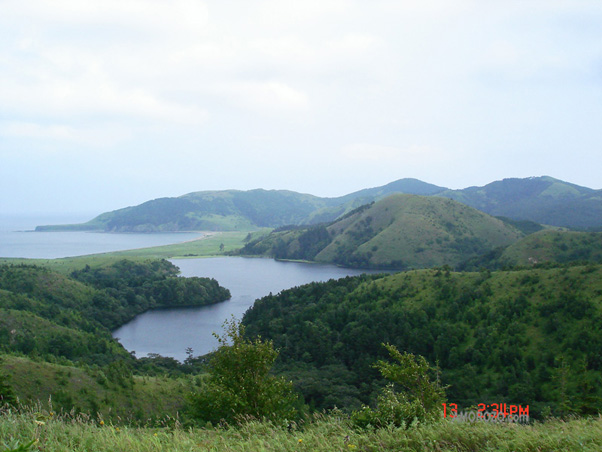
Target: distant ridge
(543, 200)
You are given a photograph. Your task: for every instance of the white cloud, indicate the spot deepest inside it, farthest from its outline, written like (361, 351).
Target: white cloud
(149, 15)
(99, 137)
(374, 153)
(270, 96)
(413, 86)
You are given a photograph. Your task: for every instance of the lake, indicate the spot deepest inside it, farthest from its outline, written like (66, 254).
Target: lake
(169, 332)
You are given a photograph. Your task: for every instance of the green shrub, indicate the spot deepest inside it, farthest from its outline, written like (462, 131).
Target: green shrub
(412, 397)
(240, 385)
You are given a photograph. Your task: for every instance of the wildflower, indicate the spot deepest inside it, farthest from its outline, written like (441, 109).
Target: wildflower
(102, 422)
(300, 440)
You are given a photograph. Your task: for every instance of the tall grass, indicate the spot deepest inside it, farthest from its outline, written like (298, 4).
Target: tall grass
(79, 432)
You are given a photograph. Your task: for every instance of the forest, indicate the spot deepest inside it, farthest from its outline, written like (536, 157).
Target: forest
(52, 315)
(530, 336)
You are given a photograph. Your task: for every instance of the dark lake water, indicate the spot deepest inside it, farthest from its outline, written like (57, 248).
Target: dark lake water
(170, 331)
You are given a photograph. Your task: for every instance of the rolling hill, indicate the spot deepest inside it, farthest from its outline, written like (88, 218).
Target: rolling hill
(208, 211)
(540, 199)
(400, 231)
(544, 200)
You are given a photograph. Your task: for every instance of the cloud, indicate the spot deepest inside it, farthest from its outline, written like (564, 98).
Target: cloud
(100, 137)
(373, 153)
(385, 89)
(144, 15)
(270, 96)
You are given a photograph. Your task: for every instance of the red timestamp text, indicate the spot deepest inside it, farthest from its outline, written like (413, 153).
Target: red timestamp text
(489, 411)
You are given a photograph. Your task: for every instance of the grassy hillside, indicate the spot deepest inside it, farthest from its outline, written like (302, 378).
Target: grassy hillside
(400, 231)
(94, 390)
(230, 210)
(544, 200)
(530, 337)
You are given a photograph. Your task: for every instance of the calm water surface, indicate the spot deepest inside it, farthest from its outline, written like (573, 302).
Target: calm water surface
(170, 331)
(167, 331)
(17, 239)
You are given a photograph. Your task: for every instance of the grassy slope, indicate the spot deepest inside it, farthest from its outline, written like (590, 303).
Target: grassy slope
(419, 232)
(401, 231)
(209, 211)
(86, 390)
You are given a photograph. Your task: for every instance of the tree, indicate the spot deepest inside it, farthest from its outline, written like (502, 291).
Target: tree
(412, 396)
(239, 385)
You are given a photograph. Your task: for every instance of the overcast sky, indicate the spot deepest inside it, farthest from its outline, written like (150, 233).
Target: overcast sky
(109, 103)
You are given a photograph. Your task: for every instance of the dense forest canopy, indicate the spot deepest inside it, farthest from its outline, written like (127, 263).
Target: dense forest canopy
(524, 337)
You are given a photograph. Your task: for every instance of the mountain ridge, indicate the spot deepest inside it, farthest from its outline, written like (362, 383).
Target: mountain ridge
(542, 199)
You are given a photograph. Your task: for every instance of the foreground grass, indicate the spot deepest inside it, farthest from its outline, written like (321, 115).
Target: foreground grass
(324, 433)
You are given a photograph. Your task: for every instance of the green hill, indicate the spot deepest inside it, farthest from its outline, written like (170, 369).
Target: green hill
(230, 210)
(347, 203)
(400, 231)
(542, 200)
(207, 211)
(546, 247)
(530, 337)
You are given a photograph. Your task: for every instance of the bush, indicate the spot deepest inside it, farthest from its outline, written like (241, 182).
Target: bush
(419, 400)
(240, 385)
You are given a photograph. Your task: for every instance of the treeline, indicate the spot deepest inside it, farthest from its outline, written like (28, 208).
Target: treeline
(53, 316)
(128, 288)
(531, 337)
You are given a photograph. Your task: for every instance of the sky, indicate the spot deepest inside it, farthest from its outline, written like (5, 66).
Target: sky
(109, 103)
